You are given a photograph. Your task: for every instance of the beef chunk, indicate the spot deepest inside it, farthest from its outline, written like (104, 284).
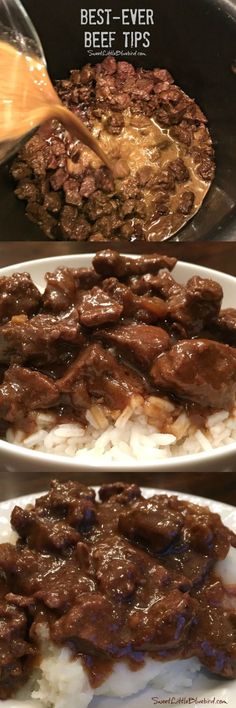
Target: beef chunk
(211, 640)
(14, 649)
(73, 226)
(148, 521)
(201, 371)
(39, 338)
(43, 534)
(225, 325)
(61, 290)
(18, 295)
(124, 491)
(110, 263)
(86, 277)
(139, 343)
(165, 624)
(103, 376)
(97, 308)
(196, 305)
(90, 624)
(186, 202)
(145, 309)
(25, 390)
(179, 170)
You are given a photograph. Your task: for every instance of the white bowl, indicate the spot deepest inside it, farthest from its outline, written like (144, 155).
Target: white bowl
(16, 457)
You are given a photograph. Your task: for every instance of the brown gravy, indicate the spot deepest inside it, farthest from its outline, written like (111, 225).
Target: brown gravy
(28, 99)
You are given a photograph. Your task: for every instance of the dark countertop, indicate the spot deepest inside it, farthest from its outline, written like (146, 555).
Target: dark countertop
(221, 256)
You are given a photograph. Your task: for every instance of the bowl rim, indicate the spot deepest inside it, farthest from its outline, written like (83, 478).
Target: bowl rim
(170, 464)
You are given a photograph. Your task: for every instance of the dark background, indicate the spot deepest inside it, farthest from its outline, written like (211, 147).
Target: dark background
(196, 41)
(222, 486)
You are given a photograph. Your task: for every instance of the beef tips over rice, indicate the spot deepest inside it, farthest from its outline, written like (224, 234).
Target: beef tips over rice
(113, 351)
(115, 580)
(155, 136)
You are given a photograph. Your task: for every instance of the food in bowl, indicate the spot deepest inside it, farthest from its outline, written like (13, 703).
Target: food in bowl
(117, 361)
(155, 135)
(100, 597)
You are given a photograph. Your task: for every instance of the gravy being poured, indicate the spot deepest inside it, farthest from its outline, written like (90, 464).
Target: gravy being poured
(28, 99)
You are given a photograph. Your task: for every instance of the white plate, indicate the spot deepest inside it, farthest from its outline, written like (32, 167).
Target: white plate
(16, 457)
(205, 687)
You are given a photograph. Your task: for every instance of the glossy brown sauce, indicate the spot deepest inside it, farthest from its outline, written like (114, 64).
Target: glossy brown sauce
(121, 579)
(28, 99)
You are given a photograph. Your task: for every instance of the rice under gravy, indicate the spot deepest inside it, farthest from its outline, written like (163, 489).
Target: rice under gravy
(60, 682)
(134, 433)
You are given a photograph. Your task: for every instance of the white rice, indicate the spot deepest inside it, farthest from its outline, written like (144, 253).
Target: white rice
(134, 434)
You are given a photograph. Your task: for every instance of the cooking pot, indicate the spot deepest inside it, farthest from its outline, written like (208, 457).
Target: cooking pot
(194, 39)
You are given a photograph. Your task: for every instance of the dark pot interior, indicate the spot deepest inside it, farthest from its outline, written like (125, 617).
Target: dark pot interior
(196, 41)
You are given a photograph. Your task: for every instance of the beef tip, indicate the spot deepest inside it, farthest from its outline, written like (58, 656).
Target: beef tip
(179, 170)
(110, 263)
(72, 192)
(162, 285)
(38, 339)
(39, 215)
(196, 305)
(139, 343)
(14, 649)
(163, 75)
(73, 226)
(103, 376)
(115, 123)
(85, 278)
(186, 202)
(149, 310)
(62, 501)
(61, 290)
(104, 180)
(211, 641)
(18, 295)
(151, 523)
(90, 624)
(52, 202)
(144, 175)
(225, 325)
(20, 170)
(88, 186)
(97, 308)
(28, 190)
(130, 491)
(58, 178)
(206, 169)
(24, 390)
(118, 577)
(165, 624)
(43, 534)
(200, 370)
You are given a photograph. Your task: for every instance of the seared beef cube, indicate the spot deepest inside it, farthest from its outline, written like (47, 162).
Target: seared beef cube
(72, 192)
(149, 310)
(103, 376)
(62, 498)
(162, 284)
(24, 390)
(199, 370)
(85, 277)
(28, 190)
(52, 202)
(97, 308)
(61, 290)
(14, 649)
(43, 534)
(20, 170)
(186, 202)
(225, 325)
(130, 491)
(115, 123)
(196, 305)
(90, 624)
(164, 624)
(179, 170)
(214, 639)
(39, 215)
(140, 343)
(18, 295)
(110, 263)
(39, 338)
(150, 522)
